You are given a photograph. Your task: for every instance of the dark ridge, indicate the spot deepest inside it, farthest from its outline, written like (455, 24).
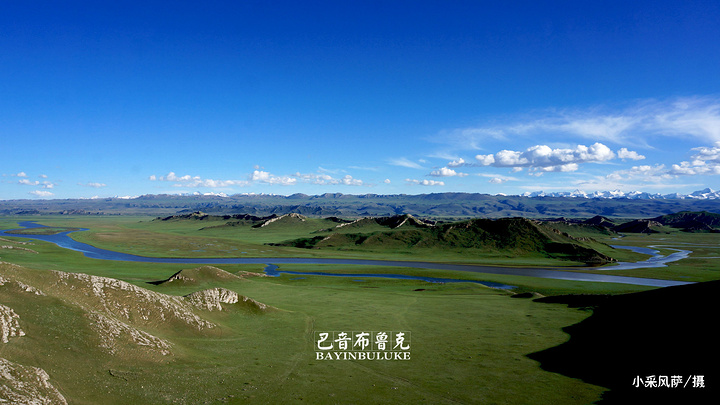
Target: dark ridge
(690, 221)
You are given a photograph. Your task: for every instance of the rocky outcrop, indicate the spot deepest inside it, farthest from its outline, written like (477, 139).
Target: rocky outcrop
(212, 299)
(9, 326)
(290, 216)
(112, 332)
(125, 301)
(27, 385)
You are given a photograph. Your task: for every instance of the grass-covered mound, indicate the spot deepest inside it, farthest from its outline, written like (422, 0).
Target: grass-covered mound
(197, 275)
(516, 236)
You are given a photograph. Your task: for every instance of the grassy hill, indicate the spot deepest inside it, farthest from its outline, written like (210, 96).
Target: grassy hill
(687, 221)
(83, 330)
(690, 221)
(515, 236)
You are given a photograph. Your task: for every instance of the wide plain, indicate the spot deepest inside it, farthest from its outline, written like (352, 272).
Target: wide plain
(470, 344)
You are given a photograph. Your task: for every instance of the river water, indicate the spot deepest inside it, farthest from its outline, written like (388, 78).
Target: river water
(65, 241)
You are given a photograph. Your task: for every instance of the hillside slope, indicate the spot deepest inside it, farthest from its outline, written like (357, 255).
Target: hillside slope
(516, 236)
(64, 330)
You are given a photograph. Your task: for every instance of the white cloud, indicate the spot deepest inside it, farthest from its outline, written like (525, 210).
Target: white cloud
(689, 117)
(40, 193)
(445, 172)
(93, 185)
(265, 177)
(708, 153)
(404, 162)
(425, 182)
(645, 173)
(22, 174)
(624, 153)
(197, 181)
(259, 176)
(28, 182)
(326, 179)
(547, 159)
(705, 162)
(457, 163)
(485, 160)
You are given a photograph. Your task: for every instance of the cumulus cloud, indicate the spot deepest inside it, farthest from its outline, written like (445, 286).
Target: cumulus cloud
(27, 182)
(93, 185)
(326, 179)
(41, 193)
(197, 181)
(706, 161)
(544, 158)
(261, 176)
(457, 163)
(445, 172)
(708, 153)
(624, 153)
(425, 182)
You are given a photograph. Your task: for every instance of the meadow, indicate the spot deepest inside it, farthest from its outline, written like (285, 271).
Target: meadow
(470, 344)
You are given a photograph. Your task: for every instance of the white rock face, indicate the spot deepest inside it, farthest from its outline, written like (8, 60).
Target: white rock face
(27, 385)
(18, 248)
(116, 298)
(9, 326)
(290, 215)
(212, 298)
(111, 330)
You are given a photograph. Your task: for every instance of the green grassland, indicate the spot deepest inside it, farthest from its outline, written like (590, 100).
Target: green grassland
(470, 344)
(269, 357)
(213, 237)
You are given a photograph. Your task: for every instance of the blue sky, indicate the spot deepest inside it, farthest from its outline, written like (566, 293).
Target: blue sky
(358, 97)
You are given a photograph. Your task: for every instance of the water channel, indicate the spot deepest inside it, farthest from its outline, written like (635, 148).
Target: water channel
(63, 240)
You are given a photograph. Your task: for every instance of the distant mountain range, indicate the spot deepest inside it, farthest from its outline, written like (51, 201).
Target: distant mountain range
(450, 206)
(706, 194)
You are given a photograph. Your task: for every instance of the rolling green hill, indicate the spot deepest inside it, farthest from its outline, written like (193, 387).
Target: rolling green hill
(515, 236)
(94, 326)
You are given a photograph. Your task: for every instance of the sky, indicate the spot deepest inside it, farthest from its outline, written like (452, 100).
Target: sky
(102, 99)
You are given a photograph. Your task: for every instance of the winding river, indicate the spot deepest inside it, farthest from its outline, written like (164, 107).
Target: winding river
(65, 241)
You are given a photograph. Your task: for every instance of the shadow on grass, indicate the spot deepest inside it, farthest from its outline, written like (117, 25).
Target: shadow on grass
(668, 332)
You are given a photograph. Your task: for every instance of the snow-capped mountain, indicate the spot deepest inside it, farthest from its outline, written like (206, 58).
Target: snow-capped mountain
(706, 194)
